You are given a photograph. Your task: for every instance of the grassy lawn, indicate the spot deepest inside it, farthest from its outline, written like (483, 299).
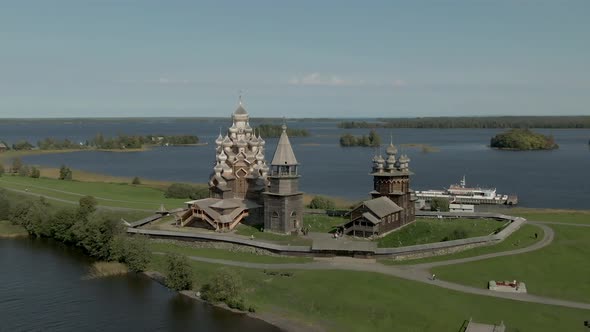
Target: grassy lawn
(434, 230)
(107, 194)
(362, 301)
(187, 250)
(565, 216)
(322, 223)
(560, 270)
(522, 238)
(10, 230)
(129, 215)
(256, 231)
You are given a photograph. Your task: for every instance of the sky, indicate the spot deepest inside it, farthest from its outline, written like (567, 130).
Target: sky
(125, 58)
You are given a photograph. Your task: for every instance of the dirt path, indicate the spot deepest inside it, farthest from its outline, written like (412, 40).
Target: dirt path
(420, 272)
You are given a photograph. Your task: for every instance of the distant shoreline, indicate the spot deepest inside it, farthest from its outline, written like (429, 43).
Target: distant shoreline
(4, 156)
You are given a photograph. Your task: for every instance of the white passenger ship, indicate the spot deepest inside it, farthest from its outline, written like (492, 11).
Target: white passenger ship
(464, 195)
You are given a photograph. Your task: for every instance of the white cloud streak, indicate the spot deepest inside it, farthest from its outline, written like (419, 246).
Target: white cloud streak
(317, 79)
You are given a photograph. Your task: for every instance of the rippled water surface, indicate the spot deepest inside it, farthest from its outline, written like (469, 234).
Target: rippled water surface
(556, 179)
(43, 288)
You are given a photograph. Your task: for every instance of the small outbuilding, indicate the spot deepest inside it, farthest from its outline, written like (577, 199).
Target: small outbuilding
(374, 217)
(457, 207)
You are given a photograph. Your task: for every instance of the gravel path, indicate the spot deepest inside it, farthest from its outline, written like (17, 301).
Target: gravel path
(420, 272)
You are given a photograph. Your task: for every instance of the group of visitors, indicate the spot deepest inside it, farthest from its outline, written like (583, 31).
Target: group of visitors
(338, 234)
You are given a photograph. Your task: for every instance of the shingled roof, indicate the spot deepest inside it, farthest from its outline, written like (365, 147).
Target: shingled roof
(382, 206)
(284, 153)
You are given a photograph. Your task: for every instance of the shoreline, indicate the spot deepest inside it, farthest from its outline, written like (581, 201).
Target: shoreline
(23, 153)
(13, 236)
(283, 323)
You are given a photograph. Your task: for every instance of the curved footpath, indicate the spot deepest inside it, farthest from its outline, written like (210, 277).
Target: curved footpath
(421, 273)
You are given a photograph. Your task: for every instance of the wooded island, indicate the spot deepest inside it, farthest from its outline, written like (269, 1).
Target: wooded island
(523, 139)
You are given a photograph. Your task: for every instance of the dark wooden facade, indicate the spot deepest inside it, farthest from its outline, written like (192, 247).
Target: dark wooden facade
(396, 188)
(365, 222)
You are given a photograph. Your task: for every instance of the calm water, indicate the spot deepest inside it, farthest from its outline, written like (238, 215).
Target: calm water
(557, 179)
(42, 287)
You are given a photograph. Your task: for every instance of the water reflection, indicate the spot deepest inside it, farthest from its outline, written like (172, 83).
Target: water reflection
(42, 287)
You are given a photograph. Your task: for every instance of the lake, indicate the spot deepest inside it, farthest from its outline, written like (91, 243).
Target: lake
(43, 287)
(551, 179)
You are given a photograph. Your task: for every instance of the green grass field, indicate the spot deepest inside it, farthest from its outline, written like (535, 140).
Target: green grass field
(564, 216)
(522, 238)
(256, 231)
(187, 250)
(107, 194)
(9, 230)
(322, 223)
(363, 301)
(560, 270)
(433, 230)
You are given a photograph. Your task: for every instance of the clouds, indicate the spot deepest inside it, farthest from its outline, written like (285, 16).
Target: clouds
(160, 81)
(325, 80)
(317, 79)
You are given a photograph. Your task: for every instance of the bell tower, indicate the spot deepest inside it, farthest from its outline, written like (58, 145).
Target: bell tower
(391, 178)
(283, 202)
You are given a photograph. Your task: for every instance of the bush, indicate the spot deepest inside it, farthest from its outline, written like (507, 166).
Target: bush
(87, 205)
(61, 224)
(96, 234)
(136, 180)
(184, 190)
(457, 234)
(236, 304)
(133, 251)
(35, 173)
(32, 215)
(1, 169)
(178, 273)
(17, 163)
(224, 287)
(4, 206)
(24, 171)
(319, 202)
(440, 204)
(65, 173)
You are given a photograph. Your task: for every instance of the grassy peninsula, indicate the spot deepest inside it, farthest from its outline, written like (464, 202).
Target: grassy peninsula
(309, 296)
(523, 139)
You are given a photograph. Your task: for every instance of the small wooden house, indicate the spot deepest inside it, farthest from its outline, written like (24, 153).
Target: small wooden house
(374, 217)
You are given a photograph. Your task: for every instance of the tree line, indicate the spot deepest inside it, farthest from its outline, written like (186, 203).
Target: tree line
(98, 234)
(272, 130)
(19, 168)
(101, 235)
(474, 122)
(371, 140)
(99, 141)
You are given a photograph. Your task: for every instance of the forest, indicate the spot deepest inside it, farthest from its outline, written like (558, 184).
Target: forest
(474, 122)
